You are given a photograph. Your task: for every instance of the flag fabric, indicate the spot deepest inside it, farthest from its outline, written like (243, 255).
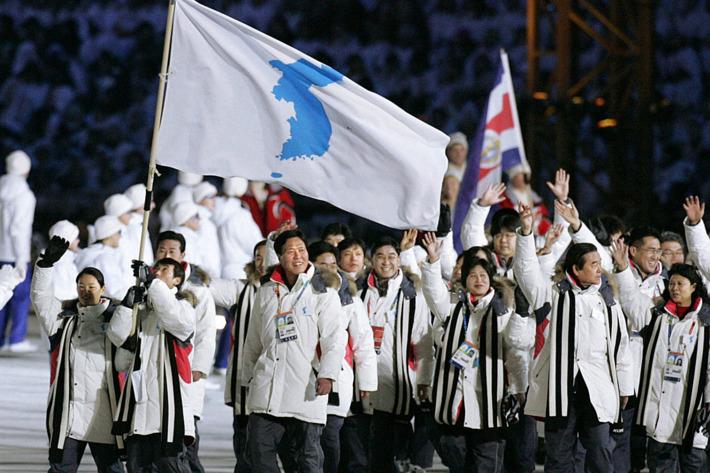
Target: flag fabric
(498, 146)
(240, 103)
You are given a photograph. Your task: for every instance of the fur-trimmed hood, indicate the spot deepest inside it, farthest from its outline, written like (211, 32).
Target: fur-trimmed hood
(250, 271)
(505, 288)
(188, 296)
(198, 276)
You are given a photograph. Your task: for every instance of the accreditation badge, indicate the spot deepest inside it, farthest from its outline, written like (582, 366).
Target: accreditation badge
(466, 356)
(286, 327)
(674, 366)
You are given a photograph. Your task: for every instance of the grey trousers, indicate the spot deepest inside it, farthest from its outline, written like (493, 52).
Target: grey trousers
(192, 453)
(670, 458)
(330, 443)
(561, 436)
(264, 434)
(105, 456)
(471, 450)
(354, 441)
(145, 455)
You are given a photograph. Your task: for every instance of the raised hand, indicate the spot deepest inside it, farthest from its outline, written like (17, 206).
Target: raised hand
(561, 186)
(432, 246)
(492, 195)
(409, 238)
(526, 219)
(552, 235)
(142, 272)
(694, 209)
(285, 226)
(570, 213)
(54, 251)
(620, 254)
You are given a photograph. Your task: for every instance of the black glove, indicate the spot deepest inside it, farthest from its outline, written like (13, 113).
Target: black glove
(702, 421)
(444, 226)
(134, 296)
(142, 272)
(511, 410)
(56, 248)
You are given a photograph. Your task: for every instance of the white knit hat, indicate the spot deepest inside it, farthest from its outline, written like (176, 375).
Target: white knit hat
(137, 195)
(106, 226)
(517, 169)
(189, 179)
(184, 211)
(203, 190)
(235, 186)
(457, 138)
(64, 229)
(117, 204)
(18, 163)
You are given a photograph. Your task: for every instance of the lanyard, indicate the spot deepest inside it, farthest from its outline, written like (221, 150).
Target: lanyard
(298, 298)
(466, 318)
(670, 329)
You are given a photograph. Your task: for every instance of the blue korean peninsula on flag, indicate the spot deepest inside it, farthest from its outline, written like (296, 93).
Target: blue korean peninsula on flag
(240, 103)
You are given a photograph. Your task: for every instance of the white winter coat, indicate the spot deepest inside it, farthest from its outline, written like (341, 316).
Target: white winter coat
(359, 353)
(515, 335)
(17, 211)
(281, 376)
(65, 272)
(162, 312)
(385, 311)
(118, 275)
(414, 257)
(593, 342)
(90, 409)
(698, 245)
(204, 340)
(663, 413)
(209, 244)
(180, 193)
(238, 234)
(131, 240)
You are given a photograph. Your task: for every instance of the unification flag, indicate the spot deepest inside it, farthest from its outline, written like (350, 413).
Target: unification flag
(498, 146)
(240, 103)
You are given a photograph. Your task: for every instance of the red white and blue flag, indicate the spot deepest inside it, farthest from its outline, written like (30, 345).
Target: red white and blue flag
(498, 146)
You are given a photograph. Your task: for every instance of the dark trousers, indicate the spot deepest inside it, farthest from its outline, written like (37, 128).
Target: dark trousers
(145, 455)
(355, 444)
(421, 449)
(239, 443)
(471, 450)
(265, 433)
(670, 458)
(192, 453)
(638, 447)
(561, 436)
(387, 434)
(330, 443)
(521, 446)
(16, 310)
(105, 456)
(224, 344)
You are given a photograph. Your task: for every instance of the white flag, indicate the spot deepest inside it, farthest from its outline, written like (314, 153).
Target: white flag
(240, 103)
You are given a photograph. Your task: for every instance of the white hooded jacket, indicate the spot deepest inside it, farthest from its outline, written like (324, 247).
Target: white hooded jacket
(238, 234)
(17, 210)
(281, 376)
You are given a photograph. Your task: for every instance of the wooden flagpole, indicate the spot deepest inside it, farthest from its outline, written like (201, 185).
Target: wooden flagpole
(152, 171)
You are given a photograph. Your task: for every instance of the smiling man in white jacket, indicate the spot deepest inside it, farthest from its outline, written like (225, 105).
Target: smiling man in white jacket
(292, 355)
(583, 373)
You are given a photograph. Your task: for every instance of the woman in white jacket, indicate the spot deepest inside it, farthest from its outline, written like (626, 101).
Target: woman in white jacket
(480, 357)
(674, 384)
(84, 386)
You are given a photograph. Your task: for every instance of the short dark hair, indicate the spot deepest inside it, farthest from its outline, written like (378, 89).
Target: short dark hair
(470, 261)
(689, 272)
(178, 270)
(639, 233)
(505, 220)
(257, 246)
(285, 236)
(575, 256)
(673, 236)
(91, 271)
(604, 226)
(171, 235)
(318, 248)
(475, 249)
(349, 243)
(336, 228)
(385, 241)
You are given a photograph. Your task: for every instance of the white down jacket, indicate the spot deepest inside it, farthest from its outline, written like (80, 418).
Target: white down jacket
(17, 210)
(281, 376)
